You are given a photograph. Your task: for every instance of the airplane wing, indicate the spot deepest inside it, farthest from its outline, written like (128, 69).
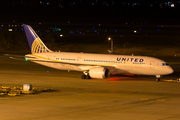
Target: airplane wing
(21, 57)
(80, 65)
(33, 59)
(15, 57)
(10, 55)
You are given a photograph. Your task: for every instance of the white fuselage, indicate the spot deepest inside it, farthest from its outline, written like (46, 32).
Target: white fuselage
(121, 64)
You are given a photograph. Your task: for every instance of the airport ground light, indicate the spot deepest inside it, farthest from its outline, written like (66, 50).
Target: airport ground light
(110, 39)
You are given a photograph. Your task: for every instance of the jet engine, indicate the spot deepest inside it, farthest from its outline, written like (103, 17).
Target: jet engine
(99, 72)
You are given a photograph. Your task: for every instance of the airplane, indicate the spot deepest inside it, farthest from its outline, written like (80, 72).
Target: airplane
(98, 66)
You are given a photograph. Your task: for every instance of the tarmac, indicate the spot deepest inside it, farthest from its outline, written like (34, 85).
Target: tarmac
(119, 97)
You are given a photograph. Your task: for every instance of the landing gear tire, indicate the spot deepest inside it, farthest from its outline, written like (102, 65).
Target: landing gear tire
(157, 79)
(85, 77)
(88, 77)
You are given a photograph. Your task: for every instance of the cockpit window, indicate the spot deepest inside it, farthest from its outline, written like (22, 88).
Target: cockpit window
(164, 64)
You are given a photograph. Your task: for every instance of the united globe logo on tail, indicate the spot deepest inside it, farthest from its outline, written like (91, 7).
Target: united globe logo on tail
(35, 43)
(38, 47)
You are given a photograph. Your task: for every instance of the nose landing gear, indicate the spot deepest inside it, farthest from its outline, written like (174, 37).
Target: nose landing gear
(158, 78)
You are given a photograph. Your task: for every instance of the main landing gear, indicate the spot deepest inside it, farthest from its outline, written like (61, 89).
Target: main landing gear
(158, 78)
(86, 75)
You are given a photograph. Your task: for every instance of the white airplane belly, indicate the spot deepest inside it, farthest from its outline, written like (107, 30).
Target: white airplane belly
(138, 70)
(147, 71)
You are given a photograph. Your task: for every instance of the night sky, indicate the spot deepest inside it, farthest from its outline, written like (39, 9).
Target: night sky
(78, 10)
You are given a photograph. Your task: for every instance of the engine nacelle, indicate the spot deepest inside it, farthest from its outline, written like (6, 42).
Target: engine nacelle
(99, 72)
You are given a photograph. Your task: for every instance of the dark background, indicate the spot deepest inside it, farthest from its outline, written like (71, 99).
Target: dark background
(108, 11)
(83, 24)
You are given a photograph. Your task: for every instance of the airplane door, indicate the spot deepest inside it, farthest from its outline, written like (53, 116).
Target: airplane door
(79, 59)
(152, 63)
(49, 57)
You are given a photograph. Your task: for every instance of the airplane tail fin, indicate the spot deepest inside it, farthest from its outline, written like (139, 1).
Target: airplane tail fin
(35, 43)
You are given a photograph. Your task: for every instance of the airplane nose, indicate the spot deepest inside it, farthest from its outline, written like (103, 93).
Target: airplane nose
(170, 70)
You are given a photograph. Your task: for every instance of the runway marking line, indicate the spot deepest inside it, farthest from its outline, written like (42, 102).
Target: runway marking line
(161, 100)
(144, 98)
(156, 99)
